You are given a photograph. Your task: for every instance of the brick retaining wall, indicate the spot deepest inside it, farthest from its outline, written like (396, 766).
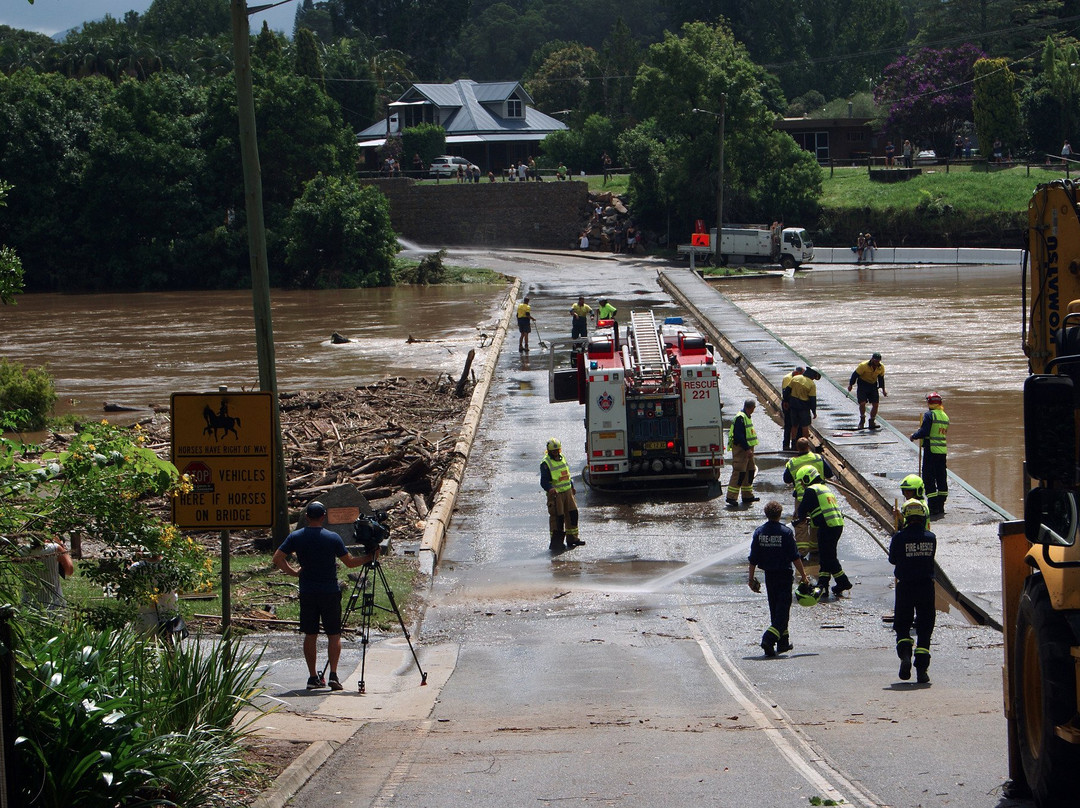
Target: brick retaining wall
(542, 215)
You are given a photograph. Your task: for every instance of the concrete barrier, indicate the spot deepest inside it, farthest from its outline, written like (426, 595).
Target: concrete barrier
(920, 255)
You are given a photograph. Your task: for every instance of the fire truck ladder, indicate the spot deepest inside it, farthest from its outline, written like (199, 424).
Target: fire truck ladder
(648, 351)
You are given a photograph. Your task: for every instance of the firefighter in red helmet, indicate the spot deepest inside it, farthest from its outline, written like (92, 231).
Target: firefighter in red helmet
(933, 433)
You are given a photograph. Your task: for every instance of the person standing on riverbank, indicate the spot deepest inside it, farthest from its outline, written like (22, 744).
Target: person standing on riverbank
(870, 377)
(933, 433)
(525, 321)
(318, 550)
(773, 549)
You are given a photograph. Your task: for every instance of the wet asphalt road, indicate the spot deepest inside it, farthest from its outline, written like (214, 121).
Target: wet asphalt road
(609, 675)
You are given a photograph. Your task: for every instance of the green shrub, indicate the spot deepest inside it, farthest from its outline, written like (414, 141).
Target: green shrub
(29, 389)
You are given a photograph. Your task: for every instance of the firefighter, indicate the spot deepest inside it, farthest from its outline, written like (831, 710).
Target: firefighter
(802, 396)
(911, 487)
(911, 552)
(562, 506)
(742, 438)
(933, 434)
(820, 506)
(804, 534)
(785, 405)
(870, 376)
(773, 549)
(607, 311)
(579, 319)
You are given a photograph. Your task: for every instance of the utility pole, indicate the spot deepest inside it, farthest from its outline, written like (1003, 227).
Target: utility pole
(260, 273)
(719, 168)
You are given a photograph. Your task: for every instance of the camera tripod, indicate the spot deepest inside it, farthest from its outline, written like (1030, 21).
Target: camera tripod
(366, 580)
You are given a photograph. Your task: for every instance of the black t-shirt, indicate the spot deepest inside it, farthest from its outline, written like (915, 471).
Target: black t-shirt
(912, 552)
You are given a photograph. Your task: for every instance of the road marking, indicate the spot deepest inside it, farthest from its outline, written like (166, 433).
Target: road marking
(789, 739)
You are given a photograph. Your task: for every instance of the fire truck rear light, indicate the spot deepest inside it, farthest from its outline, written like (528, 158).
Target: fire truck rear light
(708, 359)
(620, 452)
(603, 467)
(671, 444)
(713, 447)
(598, 453)
(692, 449)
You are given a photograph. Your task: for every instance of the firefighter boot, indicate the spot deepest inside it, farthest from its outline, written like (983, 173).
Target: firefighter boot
(768, 641)
(823, 585)
(874, 424)
(903, 650)
(922, 664)
(558, 533)
(843, 584)
(784, 645)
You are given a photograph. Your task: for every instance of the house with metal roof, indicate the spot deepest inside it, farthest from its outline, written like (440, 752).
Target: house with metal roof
(492, 124)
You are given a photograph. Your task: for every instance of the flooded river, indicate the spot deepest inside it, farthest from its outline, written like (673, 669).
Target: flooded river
(138, 349)
(955, 330)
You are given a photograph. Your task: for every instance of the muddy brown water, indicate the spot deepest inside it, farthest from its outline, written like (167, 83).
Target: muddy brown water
(138, 349)
(953, 330)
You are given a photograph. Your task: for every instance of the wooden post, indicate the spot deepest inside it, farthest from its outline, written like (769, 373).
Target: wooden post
(459, 391)
(226, 582)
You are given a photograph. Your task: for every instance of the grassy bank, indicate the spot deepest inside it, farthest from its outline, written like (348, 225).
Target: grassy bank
(968, 206)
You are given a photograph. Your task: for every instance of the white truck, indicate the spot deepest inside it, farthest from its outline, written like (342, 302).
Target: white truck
(652, 404)
(790, 247)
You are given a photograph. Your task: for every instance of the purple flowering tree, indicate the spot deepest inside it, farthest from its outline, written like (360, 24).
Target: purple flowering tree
(928, 94)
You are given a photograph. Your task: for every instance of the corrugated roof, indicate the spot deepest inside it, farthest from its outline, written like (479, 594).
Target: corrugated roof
(464, 108)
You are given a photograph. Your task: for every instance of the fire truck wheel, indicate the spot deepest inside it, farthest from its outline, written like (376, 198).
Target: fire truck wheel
(1045, 696)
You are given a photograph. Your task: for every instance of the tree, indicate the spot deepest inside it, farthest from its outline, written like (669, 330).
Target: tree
(168, 20)
(1061, 72)
(350, 81)
(338, 234)
(307, 62)
(582, 149)
(674, 150)
(995, 105)
(11, 271)
(620, 58)
(424, 29)
(567, 81)
(426, 139)
(928, 94)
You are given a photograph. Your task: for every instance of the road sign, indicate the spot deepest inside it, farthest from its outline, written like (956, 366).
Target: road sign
(223, 442)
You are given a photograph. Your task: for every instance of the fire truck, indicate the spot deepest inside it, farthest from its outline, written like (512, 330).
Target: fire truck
(652, 403)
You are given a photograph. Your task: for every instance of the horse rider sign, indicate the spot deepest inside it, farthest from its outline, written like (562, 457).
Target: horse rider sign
(222, 443)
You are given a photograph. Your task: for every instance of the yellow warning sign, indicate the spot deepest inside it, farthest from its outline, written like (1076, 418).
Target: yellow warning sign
(223, 442)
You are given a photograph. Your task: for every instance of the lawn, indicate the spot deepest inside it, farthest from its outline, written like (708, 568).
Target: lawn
(965, 188)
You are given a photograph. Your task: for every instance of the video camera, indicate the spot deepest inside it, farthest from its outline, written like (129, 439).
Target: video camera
(370, 532)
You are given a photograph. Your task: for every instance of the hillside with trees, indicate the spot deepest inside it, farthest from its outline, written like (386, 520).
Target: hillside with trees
(120, 154)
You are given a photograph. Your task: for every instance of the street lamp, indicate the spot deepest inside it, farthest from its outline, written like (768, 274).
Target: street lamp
(719, 171)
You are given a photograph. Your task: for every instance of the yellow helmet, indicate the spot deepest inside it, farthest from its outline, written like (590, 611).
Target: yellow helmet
(807, 475)
(553, 445)
(912, 486)
(915, 509)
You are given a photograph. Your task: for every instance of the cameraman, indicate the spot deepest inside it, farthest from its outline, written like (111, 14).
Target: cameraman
(316, 549)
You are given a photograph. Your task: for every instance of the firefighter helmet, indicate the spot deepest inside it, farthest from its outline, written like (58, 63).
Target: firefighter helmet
(807, 475)
(553, 445)
(914, 509)
(933, 398)
(808, 595)
(912, 487)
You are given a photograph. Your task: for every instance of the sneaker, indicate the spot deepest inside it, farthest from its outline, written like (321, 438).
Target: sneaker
(315, 682)
(905, 668)
(334, 683)
(922, 676)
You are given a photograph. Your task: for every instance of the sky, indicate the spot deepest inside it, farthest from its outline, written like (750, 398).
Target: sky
(55, 16)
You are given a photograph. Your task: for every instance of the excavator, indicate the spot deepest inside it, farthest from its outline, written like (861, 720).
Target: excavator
(1041, 555)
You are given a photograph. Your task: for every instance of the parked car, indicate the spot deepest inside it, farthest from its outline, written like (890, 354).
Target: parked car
(926, 157)
(447, 166)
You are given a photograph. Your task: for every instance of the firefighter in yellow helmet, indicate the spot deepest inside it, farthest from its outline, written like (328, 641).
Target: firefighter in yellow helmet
(912, 551)
(820, 506)
(911, 487)
(742, 438)
(805, 536)
(932, 432)
(556, 480)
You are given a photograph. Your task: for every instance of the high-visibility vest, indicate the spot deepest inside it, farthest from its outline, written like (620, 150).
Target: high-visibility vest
(751, 433)
(802, 388)
(868, 373)
(828, 509)
(607, 311)
(808, 459)
(523, 310)
(939, 426)
(560, 472)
